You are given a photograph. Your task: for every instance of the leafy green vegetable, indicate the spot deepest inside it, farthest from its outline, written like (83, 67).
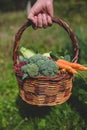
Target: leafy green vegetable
(55, 56)
(26, 52)
(67, 57)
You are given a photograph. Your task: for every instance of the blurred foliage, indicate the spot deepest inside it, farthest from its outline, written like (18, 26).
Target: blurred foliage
(15, 114)
(10, 5)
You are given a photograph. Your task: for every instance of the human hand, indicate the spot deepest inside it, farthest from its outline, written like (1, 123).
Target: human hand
(41, 13)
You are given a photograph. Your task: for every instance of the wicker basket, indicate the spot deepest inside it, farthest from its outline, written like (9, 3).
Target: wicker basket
(45, 90)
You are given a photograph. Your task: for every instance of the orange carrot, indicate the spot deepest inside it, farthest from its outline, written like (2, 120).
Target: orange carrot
(66, 67)
(73, 65)
(71, 70)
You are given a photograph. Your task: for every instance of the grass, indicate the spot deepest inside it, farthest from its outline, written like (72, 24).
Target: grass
(16, 114)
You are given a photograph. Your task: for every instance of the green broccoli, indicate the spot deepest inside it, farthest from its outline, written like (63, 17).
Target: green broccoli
(32, 70)
(36, 58)
(49, 68)
(40, 65)
(24, 68)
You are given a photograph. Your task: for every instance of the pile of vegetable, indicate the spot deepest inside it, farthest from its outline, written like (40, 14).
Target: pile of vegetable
(47, 64)
(37, 64)
(69, 66)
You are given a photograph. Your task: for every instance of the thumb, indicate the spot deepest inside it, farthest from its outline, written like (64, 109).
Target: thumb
(31, 17)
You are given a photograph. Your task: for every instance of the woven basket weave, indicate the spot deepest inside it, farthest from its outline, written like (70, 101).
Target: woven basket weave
(45, 90)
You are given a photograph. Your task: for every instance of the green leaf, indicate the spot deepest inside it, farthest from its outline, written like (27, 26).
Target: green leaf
(54, 55)
(82, 91)
(67, 57)
(42, 123)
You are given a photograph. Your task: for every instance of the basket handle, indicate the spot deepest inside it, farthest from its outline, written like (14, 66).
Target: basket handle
(55, 20)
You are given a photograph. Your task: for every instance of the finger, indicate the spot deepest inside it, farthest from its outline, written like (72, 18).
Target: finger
(44, 20)
(34, 25)
(39, 20)
(49, 20)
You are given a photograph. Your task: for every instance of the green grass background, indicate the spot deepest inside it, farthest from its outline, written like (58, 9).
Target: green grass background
(16, 114)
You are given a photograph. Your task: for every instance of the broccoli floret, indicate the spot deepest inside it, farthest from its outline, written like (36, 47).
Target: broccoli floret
(24, 68)
(49, 68)
(40, 63)
(54, 66)
(36, 58)
(47, 71)
(32, 70)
